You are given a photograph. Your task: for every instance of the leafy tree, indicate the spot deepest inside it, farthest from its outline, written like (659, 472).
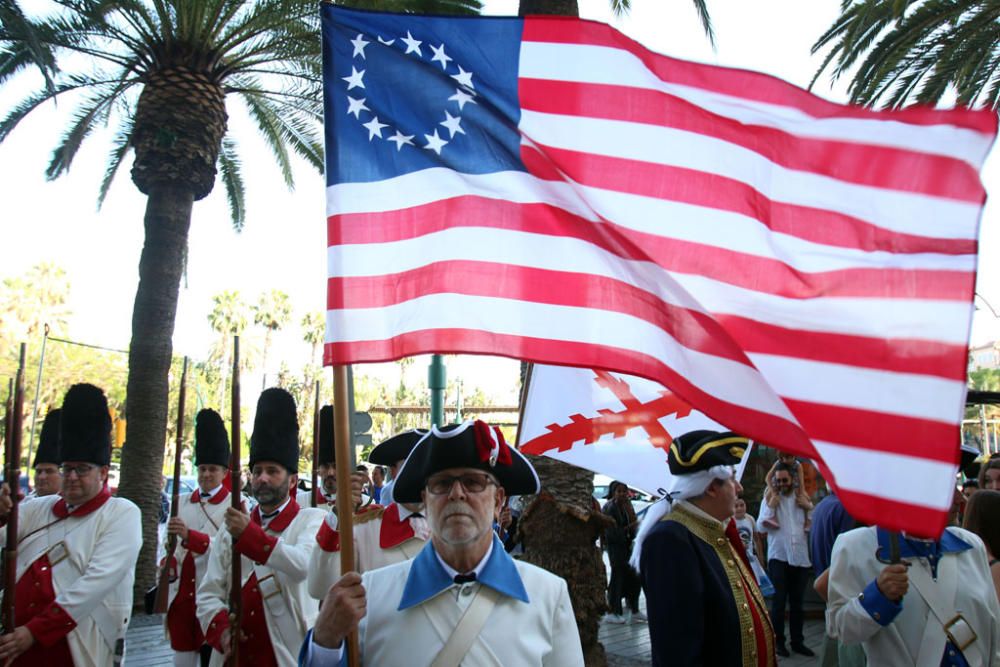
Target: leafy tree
(313, 332)
(915, 51)
(273, 310)
(229, 317)
(29, 302)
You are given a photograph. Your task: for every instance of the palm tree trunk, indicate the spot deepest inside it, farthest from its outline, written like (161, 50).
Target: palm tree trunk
(167, 221)
(561, 7)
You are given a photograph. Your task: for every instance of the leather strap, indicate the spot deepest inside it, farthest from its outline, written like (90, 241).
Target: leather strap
(468, 628)
(939, 596)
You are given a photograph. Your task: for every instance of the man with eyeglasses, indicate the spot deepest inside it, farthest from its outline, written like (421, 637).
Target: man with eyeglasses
(47, 479)
(462, 599)
(326, 471)
(274, 541)
(200, 516)
(76, 553)
(382, 535)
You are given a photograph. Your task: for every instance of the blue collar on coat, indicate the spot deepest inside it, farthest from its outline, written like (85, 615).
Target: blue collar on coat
(908, 548)
(427, 578)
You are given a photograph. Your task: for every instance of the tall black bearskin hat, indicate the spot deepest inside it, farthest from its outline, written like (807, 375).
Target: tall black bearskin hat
(85, 426)
(327, 452)
(275, 430)
(48, 441)
(211, 441)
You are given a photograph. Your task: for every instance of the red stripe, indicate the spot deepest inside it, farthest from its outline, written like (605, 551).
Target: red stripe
(728, 266)
(742, 83)
(877, 431)
(699, 188)
(875, 166)
(874, 510)
(761, 426)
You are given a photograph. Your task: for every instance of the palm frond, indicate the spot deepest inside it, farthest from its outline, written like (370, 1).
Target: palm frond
(120, 147)
(269, 122)
(230, 170)
(14, 22)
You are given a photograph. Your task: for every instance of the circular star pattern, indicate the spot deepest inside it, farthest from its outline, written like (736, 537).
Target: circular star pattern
(436, 140)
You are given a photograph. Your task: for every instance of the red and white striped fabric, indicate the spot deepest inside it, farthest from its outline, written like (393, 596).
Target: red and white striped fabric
(798, 270)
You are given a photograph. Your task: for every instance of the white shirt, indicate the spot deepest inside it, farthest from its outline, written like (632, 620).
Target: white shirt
(789, 542)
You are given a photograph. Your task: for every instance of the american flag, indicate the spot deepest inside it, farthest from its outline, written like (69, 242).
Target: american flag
(548, 189)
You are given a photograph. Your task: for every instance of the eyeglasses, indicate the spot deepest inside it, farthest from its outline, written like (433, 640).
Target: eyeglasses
(470, 481)
(80, 470)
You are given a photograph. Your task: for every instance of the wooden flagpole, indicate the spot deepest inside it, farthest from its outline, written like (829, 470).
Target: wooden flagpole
(345, 499)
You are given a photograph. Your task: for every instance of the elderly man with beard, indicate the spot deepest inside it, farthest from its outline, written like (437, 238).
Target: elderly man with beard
(782, 517)
(275, 542)
(462, 600)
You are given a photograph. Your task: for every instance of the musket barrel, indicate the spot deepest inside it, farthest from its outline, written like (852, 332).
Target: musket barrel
(315, 453)
(13, 469)
(163, 586)
(236, 581)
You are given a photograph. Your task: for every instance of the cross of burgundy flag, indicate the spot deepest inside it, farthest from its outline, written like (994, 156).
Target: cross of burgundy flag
(547, 189)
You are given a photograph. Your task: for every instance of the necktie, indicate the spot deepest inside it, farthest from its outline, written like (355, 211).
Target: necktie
(465, 578)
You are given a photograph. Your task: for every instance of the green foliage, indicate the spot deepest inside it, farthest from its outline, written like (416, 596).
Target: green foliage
(907, 51)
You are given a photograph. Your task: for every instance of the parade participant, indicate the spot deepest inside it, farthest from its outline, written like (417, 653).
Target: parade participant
(935, 607)
(274, 541)
(200, 515)
(76, 553)
(326, 469)
(702, 598)
(382, 535)
(47, 479)
(462, 599)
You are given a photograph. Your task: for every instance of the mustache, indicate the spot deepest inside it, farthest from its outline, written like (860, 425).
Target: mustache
(454, 508)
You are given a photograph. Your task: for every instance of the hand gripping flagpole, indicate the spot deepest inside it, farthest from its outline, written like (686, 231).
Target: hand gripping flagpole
(345, 515)
(162, 588)
(236, 578)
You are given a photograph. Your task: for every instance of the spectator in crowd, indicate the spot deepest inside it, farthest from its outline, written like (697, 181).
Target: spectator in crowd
(989, 474)
(982, 517)
(969, 487)
(788, 555)
(798, 486)
(618, 539)
(378, 481)
(747, 527)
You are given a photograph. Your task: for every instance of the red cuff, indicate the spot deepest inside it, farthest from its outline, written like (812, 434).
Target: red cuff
(327, 538)
(51, 625)
(213, 633)
(255, 544)
(197, 542)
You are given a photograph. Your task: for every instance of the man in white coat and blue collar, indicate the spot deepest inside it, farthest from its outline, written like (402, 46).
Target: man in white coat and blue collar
(462, 600)
(936, 606)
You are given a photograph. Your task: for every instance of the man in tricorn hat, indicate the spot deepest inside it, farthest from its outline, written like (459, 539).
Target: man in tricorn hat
(326, 470)
(274, 541)
(46, 465)
(76, 553)
(383, 535)
(702, 598)
(200, 515)
(462, 599)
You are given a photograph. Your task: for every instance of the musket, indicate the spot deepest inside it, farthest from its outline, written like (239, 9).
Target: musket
(315, 457)
(236, 580)
(13, 470)
(9, 414)
(163, 586)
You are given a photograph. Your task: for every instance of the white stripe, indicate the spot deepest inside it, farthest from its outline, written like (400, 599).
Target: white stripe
(724, 379)
(920, 214)
(919, 319)
(604, 65)
(889, 392)
(914, 480)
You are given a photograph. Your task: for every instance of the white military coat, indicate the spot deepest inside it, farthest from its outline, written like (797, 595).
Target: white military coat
(92, 558)
(282, 550)
(962, 574)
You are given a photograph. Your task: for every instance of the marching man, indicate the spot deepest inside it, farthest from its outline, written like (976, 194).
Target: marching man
(382, 535)
(47, 479)
(200, 515)
(76, 553)
(326, 462)
(462, 600)
(274, 541)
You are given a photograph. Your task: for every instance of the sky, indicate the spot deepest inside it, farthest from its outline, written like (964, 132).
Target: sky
(283, 243)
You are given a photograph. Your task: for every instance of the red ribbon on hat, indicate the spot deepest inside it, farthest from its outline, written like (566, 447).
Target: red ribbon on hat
(491, 445)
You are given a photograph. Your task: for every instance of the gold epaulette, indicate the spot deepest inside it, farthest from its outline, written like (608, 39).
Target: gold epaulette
(369, 513)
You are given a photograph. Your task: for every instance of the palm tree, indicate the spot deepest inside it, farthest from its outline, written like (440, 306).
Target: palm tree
(313, 332)
(159, 72)
(916, 51)
(560, 525)
(273, 310)
(229, 317)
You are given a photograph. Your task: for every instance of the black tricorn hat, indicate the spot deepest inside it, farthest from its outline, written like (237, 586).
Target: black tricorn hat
(700, 450)
(275, 430)
(85, 426)
(469, 445)
(48, 441)
(327, 452)
(395, 449)
(211, 441)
